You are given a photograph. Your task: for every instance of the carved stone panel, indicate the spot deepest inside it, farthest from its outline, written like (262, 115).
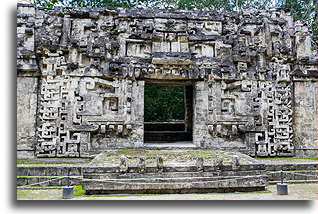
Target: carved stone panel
(81, 75)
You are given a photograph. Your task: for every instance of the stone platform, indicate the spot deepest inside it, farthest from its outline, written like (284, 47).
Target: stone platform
(172, 171)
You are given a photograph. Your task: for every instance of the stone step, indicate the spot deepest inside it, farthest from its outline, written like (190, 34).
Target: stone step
(171, 169)
(292, 175)
(273, 177)
(292, 166)
(170, 174)
(187, 185)
(166, 179)
(294, 181)
(32, 181)
(48, 170)
(172, 179)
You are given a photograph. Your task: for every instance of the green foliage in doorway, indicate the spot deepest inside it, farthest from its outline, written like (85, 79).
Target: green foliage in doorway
(163, 103)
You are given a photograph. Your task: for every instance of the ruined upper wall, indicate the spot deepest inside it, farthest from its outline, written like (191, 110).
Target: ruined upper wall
(85, 70)
(139, 42)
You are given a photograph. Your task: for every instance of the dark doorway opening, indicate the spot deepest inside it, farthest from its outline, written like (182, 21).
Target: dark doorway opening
(168, 112)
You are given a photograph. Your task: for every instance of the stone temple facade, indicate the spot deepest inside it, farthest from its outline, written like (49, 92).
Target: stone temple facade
(250, 79)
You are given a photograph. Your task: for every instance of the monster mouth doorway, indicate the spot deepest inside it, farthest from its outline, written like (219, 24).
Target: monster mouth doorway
(168, 112)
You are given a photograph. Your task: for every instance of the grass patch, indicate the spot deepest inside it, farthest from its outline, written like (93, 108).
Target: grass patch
(43, 194)
(122, 195)
(78, 191)
(47, 161)
(236, 193)
(210, 155)
(125, 151)
(205, 154)
(25, 195)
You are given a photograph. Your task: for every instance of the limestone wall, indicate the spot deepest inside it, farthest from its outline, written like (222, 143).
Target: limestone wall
(306, 120)
(26, 115)
(254, 74)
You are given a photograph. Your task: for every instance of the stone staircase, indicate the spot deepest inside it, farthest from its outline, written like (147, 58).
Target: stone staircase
(100, 178)
(173, 177)
(293, 173)
(33, 177)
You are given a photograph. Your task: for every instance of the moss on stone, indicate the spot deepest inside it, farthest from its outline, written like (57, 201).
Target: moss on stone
(52, 161)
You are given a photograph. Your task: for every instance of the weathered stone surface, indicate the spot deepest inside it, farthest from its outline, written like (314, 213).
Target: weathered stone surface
(200, 163)
(249, 72)
(172, 173)
(24, 181)
(142, 164)
(235, 162)
(159, 164)
(45, 170)
(306, 120)
(294, 172)
(26, 116)
(123, 166)
(164, 186)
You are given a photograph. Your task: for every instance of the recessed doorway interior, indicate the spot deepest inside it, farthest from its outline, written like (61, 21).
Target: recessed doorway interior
(168, 113)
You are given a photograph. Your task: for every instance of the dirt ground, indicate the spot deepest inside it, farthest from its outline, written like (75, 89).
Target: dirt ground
(307, 191)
